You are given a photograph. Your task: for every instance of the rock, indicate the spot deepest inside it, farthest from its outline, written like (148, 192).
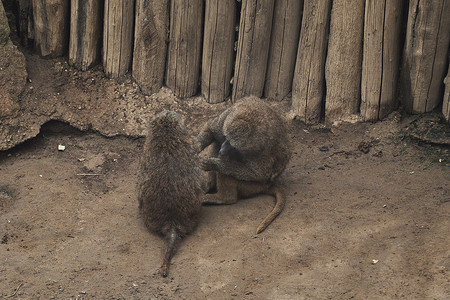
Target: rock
(4, 27)
(13, 72)
(7, 106)
(49, 89)
(364, 147)
(429, 128)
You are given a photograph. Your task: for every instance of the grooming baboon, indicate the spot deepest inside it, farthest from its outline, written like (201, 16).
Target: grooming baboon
(250, 149)
(169, 181)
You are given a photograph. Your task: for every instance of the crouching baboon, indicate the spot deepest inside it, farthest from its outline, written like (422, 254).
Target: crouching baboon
(169, 181)
(250, 149)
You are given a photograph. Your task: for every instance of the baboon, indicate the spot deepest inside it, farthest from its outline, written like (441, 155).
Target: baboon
(169, 181)
(250, 149)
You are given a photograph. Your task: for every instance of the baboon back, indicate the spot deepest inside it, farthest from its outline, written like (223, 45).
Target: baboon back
(258, 133)
(169, 183)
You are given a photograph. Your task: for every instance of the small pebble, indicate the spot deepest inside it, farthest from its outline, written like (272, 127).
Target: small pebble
(323, 148)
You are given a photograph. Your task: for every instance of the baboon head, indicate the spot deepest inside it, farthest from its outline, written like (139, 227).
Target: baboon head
(245, 133)
(227, 150)
(166, 123)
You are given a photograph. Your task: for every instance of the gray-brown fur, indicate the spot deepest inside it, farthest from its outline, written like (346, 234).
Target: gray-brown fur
(250, 149)
(169, 181)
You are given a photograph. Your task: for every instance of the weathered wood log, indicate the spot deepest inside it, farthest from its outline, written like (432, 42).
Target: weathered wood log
(218, 45)
(25, 22)
(185, 41)
(51, 27)
(86, 18)
(425, 52)
(150, 47)
(446, 100)
(343, 65)
(117, 36)
(283, 47)
(308, 86)
(253, 48)
(381, 58)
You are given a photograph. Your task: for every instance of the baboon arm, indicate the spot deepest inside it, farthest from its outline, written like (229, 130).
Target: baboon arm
(205, 138)
(212, 131)
(246, 171)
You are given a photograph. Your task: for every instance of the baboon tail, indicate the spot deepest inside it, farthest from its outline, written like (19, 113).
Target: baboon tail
(172, 238)
(277, 192)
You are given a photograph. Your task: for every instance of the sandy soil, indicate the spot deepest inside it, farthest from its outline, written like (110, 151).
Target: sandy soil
(356, 225)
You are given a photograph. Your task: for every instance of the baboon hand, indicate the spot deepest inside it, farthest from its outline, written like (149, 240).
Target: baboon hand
(209, 164)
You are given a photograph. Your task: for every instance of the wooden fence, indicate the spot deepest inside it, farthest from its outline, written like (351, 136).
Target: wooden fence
(337, 58)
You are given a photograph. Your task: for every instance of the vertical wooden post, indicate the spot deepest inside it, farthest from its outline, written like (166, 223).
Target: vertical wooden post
(86, 17)
(25, 22)
(446, 100)
(51, 26)
(218, 44)
(117, 36)
(283, 48)
(150, 47)
(425, 54)
(183, 62)
(343, 65)
(308, 86)
(253, 48)
(381, 58)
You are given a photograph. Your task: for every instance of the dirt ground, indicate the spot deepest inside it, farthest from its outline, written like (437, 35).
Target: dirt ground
(362, 226)
(356, 225)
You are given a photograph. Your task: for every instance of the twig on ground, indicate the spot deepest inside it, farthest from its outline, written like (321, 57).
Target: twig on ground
(15, 292)
(88, 174)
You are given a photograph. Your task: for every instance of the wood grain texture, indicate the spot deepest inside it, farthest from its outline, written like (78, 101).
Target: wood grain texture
(308, 87)
(425, 54)
(446, 99)
(381, 58)
(117, 37)
(51, 27)
(253, 48)
(283, 48)
(86, 20)
(343, 64)
(218, 45)
(25, 22)
(185, 42)
(150, 44)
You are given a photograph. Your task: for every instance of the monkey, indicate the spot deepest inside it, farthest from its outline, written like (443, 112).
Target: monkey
(169, 181)
(250, 148)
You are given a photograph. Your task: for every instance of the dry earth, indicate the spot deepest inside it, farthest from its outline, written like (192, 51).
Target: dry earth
(356, 225)
(361, 226)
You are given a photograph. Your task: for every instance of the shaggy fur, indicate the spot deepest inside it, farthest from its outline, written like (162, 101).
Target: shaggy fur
(169, 181)
(250, 149)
